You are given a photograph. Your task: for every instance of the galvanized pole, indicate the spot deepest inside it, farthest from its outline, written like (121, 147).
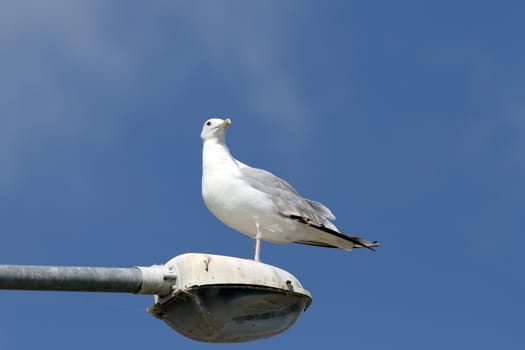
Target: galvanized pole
(143, 280)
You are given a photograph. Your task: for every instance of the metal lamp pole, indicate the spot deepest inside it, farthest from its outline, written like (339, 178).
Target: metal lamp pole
(138, 280)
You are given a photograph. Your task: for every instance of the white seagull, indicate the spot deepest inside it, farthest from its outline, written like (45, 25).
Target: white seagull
(261, 205)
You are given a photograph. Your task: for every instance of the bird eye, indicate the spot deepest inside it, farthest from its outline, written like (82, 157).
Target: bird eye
(208, 123)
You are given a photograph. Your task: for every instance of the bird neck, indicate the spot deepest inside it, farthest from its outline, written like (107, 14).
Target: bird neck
(216, 154)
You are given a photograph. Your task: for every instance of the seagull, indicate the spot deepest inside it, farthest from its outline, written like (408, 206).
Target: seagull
(261, 205)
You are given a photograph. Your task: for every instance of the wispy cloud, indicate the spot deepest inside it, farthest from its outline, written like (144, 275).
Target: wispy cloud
(45, 45)
(254, 40)
(53, 47)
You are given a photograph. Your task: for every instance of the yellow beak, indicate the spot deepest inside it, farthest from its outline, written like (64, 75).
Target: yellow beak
(226, 123)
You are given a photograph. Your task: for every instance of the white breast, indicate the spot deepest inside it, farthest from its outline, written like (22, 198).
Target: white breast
(233, 201)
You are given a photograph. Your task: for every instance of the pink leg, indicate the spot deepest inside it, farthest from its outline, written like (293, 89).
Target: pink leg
(257, 243)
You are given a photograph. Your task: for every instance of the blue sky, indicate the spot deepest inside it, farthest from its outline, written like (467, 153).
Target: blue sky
(406, 118)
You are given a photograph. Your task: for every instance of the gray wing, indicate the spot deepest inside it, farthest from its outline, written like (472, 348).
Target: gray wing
(289, 203)
(285, 198)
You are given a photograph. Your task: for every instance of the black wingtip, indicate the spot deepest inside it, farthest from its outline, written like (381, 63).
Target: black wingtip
(370, 248)
(364, 245)
(357, 241)
(371, 245)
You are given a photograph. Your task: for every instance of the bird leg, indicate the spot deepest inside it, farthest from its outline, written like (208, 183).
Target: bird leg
(257, 242)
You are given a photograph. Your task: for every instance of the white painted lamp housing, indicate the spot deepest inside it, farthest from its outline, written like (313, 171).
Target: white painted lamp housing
(225, 299)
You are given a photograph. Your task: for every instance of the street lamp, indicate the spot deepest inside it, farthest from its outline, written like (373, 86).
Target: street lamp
(205, 297)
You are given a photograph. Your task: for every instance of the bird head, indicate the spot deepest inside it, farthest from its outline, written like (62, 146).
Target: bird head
(214, 129)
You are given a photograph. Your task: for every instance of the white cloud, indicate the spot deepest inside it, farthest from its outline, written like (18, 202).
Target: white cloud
(254, 39)
(79, 30)
(42, 44)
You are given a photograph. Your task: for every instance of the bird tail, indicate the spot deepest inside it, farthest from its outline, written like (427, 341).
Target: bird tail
(357, 242)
